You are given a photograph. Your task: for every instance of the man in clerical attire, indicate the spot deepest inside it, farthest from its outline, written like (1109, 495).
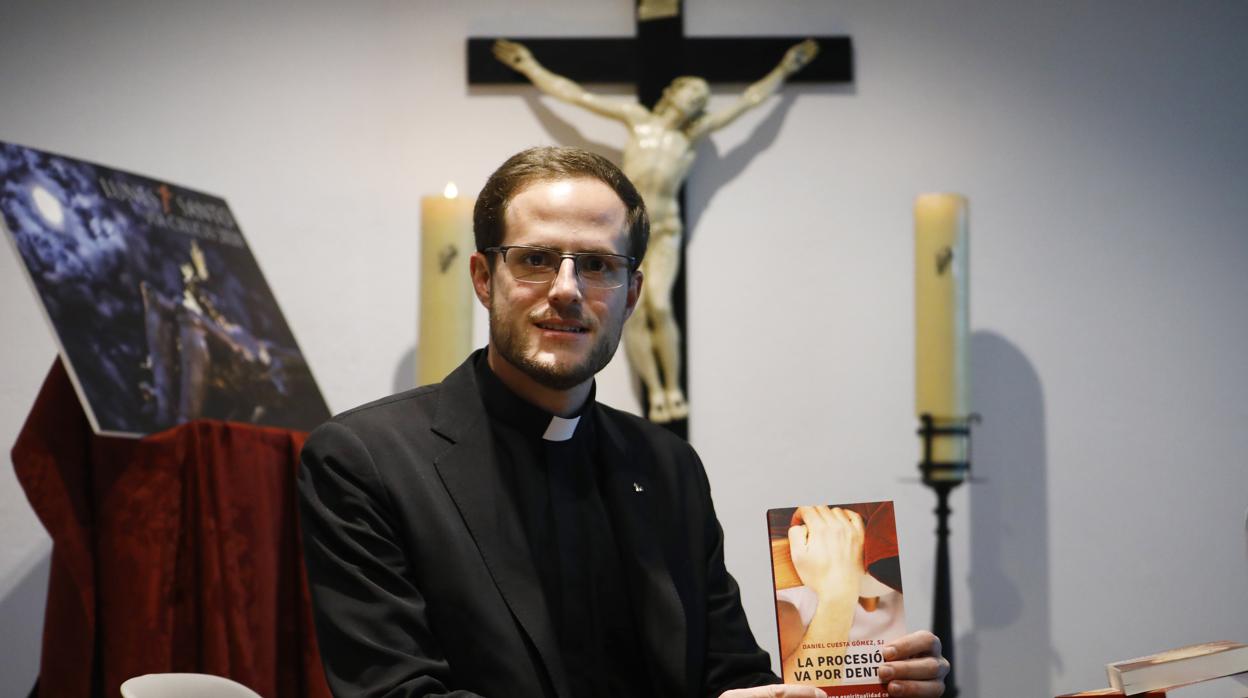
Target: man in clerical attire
(504, 534)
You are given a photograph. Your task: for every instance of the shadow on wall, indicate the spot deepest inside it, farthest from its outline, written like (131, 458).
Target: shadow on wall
(715, 170)
(405, 372)
(564, 133)
(21, 617)
(1011, 644)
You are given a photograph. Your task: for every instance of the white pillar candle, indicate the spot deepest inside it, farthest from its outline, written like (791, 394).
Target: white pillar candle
(446, 296)
(942, 337)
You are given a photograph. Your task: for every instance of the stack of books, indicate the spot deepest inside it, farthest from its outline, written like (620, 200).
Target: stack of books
(1112, 692)
(1208, 669)
(1179, 667)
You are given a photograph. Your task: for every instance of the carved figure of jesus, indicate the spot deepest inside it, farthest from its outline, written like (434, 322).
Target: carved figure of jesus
(657, 157)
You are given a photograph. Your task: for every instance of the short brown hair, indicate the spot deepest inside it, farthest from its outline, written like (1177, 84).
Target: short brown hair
(554, 163)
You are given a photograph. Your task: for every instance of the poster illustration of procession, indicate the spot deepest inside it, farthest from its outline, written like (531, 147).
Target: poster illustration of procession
(161, 313)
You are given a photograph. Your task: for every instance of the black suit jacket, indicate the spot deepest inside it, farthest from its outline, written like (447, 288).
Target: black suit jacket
(421, 576)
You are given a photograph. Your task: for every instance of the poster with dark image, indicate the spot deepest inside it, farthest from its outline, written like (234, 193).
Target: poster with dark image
(159, 308)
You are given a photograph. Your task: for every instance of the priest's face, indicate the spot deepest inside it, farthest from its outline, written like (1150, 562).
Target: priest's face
(559, 333)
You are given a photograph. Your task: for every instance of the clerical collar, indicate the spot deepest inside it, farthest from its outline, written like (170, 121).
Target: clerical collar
(561, 429)
(504, 405)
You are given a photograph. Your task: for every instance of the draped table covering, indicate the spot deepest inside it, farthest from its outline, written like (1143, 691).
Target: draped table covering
(176, 552)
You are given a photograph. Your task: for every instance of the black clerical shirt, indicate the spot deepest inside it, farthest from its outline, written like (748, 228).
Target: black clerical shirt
(557, 479)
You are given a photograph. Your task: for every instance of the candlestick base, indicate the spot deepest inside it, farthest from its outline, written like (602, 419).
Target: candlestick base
(954, 435)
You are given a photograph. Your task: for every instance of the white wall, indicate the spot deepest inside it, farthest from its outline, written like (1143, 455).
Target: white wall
(1102, 145)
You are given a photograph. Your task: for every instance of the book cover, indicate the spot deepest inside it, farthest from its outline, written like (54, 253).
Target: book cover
(1179, 666)
(837, 578)
(156, 302)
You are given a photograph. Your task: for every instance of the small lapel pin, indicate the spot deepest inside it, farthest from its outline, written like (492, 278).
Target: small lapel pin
(638, 488)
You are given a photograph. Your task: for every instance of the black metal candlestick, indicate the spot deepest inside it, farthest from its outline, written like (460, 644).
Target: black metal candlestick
(943, 477)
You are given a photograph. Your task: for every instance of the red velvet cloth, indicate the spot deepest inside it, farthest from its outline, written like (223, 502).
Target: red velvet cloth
(176, 552)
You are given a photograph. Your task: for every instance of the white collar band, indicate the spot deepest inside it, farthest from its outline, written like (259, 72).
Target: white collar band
(561, 429)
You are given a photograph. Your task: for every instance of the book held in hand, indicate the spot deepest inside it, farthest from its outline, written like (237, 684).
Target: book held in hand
(1176, 667)
(837, 579)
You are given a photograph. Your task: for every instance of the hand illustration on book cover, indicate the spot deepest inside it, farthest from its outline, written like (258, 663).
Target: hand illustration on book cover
(837, 578)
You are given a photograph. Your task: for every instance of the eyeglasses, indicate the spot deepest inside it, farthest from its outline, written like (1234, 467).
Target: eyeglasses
(540, 265)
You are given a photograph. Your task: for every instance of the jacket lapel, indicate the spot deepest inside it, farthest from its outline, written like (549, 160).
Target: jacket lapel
(656, 601)
(471, 474)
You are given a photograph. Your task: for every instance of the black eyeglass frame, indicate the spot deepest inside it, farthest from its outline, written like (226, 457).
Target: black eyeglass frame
(574, 256)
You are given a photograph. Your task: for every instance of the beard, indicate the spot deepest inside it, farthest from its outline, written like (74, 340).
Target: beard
(555, 375)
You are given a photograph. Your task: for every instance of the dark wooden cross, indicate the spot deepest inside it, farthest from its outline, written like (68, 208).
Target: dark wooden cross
(659, 53)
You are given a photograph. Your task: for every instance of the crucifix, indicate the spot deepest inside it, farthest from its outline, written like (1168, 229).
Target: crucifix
(671, 107)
